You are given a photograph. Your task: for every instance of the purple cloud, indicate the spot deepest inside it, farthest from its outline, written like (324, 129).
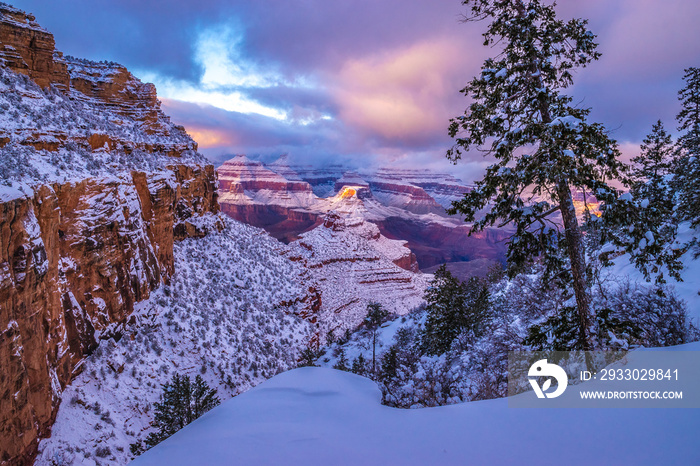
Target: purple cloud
(360, 78)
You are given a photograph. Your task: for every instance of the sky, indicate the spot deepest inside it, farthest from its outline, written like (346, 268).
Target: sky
(365, 82)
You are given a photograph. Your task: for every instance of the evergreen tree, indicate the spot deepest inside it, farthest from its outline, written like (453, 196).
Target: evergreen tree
(359, 365)
(655, 162)
(308, 358)
(342, 363)
(542, 144)
(643, 221)
(376, 315)
(687, 179)
(454, 308)
(389, 365)
(180, 403)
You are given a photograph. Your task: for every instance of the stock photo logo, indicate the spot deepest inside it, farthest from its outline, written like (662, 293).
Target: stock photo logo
(541, 369)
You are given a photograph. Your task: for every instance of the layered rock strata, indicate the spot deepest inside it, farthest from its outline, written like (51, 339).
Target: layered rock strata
(96, 185)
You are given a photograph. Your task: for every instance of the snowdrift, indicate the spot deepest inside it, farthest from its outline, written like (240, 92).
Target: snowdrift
(323, 416)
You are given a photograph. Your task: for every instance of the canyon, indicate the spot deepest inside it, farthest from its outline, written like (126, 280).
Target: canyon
(406, 205)
(113, 238)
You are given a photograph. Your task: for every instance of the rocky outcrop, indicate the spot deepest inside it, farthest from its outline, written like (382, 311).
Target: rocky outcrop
(109, 184)
(74, 260)
(27, 48)
(253, 194)
(241, 175)
(112, 86)
(405, 196)
(105, 109)
(352, 264)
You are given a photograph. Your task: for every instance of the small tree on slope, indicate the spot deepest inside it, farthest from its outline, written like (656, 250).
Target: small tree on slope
(542, 144)
(376, 315)
(181, 403)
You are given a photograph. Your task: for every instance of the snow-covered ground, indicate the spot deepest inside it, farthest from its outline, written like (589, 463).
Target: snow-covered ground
(323, 416)
(688, 290)
(221, 317)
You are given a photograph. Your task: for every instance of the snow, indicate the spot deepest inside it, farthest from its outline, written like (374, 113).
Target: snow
(230, 313)
(9, 193)
(32, 116)
(323, 416)
(626, 197)
(688, 290)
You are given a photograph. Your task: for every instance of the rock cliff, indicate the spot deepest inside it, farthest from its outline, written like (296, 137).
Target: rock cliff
(96, 185)
(27, 48)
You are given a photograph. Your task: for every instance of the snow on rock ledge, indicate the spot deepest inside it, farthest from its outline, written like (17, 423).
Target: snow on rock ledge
(352, 264)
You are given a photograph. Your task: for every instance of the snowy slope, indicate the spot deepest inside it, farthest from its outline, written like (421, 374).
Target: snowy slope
(688, 290)
(352, 265)
(220, 317)
(321, 416)
(45, 134)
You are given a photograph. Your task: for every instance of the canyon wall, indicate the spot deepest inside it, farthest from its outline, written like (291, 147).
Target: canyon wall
(96, 185)
(74, 260)
(27, 48)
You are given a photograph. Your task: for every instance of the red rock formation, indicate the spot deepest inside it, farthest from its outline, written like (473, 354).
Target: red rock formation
(27, 48)
(253, 194)
(114, 87)
(75, 257)
(242, 174)
(74, 260)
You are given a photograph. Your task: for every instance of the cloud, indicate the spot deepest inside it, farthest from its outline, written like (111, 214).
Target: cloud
(400, 95)
(372, 80)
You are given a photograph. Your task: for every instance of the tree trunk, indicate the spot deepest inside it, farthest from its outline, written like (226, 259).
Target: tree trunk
(374, 347)
(574, 242)
(572, 232)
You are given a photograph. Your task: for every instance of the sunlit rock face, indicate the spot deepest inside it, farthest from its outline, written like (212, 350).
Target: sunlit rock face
(288, 200)
(96, 185)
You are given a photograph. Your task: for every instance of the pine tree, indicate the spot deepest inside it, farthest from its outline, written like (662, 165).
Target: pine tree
(454, 308)
(181, 403)
(687, 179)
(308, 358)
(359, 365)
(389, 366)
(376, 315)
(655, 162)
(643, 222)
(542, 144)
(342, 363)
